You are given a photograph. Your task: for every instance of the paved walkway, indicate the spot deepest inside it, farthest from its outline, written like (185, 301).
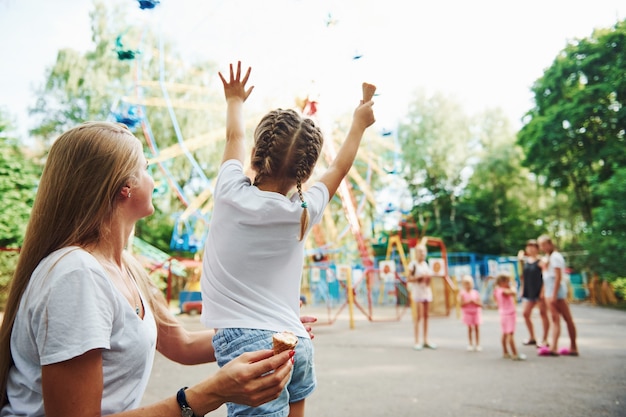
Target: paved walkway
(372, 370)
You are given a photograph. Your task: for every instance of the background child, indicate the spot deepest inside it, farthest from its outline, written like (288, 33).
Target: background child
(471, 311)
(254, 254)
(503, 293)
(421, 295)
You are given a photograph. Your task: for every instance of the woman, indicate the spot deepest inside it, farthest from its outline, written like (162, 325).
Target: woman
(532, 291)
(83, 319)
(421, 295)
(555, 290)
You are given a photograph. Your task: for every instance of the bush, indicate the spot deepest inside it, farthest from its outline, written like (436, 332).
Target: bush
(8, 263)
(619, 285)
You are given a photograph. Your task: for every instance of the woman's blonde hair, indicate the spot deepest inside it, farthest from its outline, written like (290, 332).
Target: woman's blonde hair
(287, 146)
(86, 168)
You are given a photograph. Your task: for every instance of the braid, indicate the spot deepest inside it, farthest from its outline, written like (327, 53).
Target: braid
(287, 146)
(304, 217)
(265, 137)
(309, 138)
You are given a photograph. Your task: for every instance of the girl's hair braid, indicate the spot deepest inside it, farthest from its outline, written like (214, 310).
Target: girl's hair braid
(265, 138)
(306, 151)
(287, 146)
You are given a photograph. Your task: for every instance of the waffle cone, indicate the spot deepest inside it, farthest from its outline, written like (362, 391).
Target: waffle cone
(284, 341)
(368, 92)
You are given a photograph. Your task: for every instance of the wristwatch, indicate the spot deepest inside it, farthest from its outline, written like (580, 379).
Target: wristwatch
(185, 410)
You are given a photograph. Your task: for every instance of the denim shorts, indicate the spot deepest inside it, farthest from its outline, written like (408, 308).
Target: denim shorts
(230, 343)
(561, 293)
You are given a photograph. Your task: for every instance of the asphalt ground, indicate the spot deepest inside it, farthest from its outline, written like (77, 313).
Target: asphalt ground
(372, 370)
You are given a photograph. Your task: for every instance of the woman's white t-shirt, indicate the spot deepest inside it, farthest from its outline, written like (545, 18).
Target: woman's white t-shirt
(70, 307)
(252, 265)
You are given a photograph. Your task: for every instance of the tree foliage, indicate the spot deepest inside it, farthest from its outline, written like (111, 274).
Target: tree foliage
(19, 175)
(171, 96)
(437, 145)
(500, 204)
(606, 240)
(575, 135)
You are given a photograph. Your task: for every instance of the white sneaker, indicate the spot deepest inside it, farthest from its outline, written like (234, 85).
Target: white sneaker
(470, 348)
(419, 346)
(479, 348)
(519, 357)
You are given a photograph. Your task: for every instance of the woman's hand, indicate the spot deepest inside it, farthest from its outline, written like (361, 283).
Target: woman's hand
(236, 87)
(255, 378)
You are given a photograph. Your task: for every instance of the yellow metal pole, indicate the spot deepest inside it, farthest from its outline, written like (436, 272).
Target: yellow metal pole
(350, 296)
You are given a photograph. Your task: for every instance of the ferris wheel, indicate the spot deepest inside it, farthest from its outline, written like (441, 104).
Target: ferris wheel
(155, 94)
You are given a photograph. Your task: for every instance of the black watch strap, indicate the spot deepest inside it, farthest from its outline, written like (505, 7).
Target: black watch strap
(185, 410)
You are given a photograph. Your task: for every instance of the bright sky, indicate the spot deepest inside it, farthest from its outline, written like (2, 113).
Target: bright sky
(486, 53)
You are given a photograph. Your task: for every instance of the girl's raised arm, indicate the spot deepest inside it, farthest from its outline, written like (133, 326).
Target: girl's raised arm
(338, 169)
(236, 94)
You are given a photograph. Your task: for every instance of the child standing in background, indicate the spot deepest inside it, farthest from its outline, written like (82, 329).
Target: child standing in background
(253, 258)
(421, 295)
(504, 295)
(471, 311)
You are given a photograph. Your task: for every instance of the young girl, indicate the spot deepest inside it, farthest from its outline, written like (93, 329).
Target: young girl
(503, 293)
(254, 253)
(471, 309)
(421, 295)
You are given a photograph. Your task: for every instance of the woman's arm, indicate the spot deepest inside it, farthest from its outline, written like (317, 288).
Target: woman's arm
(362, 119)
(558, 276)
(194, 347)
(236, 94)
(183, 346)
(74, 388)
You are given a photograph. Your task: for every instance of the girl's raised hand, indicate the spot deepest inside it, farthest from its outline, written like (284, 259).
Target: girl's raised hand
(364, 115)
(236, 86)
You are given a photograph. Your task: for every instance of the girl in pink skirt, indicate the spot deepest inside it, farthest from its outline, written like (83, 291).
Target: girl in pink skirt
(471, 311)
(504, 295)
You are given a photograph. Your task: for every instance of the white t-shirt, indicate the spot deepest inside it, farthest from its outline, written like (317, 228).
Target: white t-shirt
(252, 265)
(420, 291)
(70, 307)
(555, 260)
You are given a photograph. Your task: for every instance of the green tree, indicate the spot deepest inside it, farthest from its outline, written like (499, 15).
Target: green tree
(500, 204)
(575, 135)
(19, 175)
(606, 241)
(437, 145)
(18, 181)
(172, 97)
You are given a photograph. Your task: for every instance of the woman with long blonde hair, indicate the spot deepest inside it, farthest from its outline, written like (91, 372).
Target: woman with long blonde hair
(83, 319)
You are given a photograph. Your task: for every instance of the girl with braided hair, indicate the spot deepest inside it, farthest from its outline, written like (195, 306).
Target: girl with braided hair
(253, 258)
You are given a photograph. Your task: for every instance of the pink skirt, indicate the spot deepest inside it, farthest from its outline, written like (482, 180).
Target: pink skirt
(472, 318)
(507, 322)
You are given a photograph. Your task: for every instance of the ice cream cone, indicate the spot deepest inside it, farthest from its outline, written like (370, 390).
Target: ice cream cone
(368, 92)
(284, 341)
